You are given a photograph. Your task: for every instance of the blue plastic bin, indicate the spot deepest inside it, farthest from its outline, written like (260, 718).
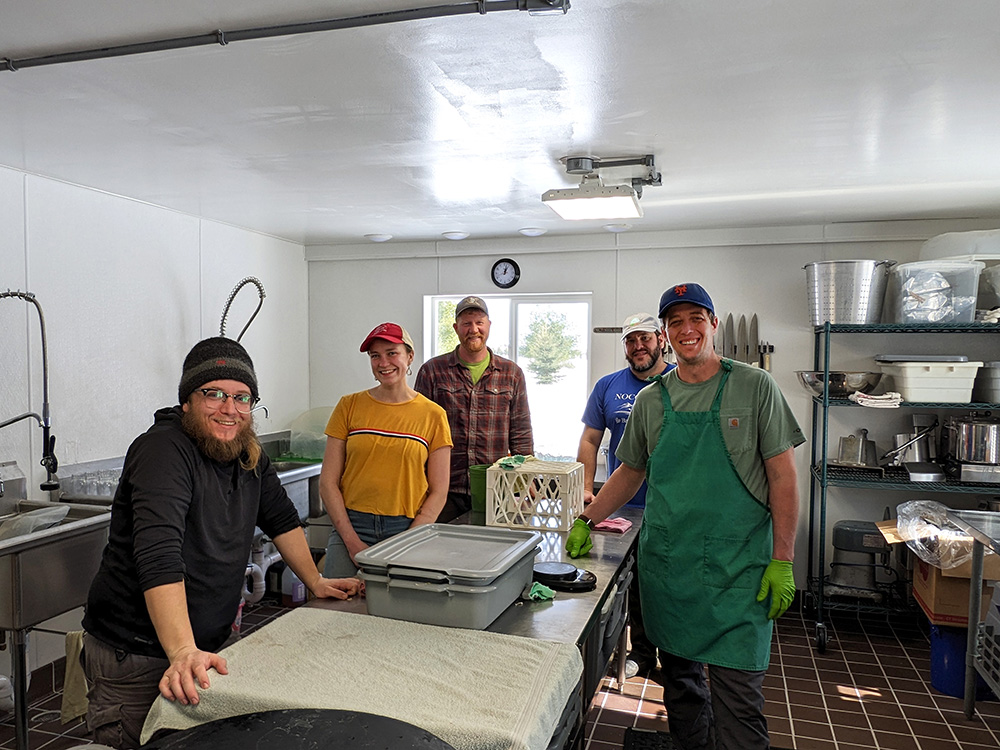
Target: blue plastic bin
(948, 663)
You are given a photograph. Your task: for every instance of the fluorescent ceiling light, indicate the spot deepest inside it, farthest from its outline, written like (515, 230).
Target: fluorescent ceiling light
(532, 231)
(594, 201)
(455, 235)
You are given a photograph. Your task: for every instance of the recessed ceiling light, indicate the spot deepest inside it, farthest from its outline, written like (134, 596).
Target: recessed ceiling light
(532, 231)
(378, 237)
(617, 227)
(455, 235)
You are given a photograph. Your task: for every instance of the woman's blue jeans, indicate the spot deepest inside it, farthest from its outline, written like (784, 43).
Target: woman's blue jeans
(371, 528)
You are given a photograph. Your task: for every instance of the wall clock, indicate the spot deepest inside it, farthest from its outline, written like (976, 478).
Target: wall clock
(505, 273)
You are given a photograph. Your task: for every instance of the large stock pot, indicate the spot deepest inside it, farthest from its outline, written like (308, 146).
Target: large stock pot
(974, 439)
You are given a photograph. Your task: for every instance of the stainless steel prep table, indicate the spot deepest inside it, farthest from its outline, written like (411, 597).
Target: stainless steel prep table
(584, 618)
(984, 528)
(592, 620)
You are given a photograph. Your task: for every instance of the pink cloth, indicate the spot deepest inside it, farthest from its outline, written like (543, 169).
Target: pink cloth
(617, 525)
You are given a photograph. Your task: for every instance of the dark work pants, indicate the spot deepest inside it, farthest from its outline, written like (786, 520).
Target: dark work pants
(121, 689)
(727, 714)
(456, 504)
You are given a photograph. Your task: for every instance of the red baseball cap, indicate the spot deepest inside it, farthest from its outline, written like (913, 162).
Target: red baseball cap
(392, 332)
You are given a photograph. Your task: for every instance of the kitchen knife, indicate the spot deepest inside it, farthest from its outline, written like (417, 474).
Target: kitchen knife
(753, 356)
(741, 340)
(728, 337)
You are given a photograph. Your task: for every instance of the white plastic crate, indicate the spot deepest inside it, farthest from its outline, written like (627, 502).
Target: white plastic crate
(544, 495)
(933, 382)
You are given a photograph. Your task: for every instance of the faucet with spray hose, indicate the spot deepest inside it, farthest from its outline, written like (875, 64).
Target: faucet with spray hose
(232, 295)
(49, 460)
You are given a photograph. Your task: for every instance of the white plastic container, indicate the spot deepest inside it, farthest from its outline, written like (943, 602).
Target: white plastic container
(934, 291)
(933, 382)
(546, 495)
(441, 574)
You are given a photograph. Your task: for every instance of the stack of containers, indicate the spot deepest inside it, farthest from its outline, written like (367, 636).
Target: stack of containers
(442, 574)
(930, 378)
(933, 291)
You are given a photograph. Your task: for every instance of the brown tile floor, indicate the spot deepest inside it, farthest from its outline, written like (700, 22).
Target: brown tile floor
(871, 689)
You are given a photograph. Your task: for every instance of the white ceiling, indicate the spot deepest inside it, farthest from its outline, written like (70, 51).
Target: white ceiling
(758, 113)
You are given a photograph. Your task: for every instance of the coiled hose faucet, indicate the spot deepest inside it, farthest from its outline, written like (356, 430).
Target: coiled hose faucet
(49, 460)
(232, 295)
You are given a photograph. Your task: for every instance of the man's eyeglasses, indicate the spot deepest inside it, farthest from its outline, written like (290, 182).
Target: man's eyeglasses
(243, 402)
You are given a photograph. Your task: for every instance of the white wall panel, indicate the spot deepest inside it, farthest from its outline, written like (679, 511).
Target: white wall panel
(347, 300)
(15, 397)
(120, 282)
(278, 338)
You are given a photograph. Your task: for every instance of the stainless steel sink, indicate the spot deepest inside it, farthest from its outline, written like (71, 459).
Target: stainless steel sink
(47, 572)
(301, 481)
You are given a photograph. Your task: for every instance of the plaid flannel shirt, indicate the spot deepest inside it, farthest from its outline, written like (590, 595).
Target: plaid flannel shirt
(489, 420)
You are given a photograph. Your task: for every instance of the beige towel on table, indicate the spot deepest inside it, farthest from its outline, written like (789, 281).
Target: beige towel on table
(74, 698)
(475, 690)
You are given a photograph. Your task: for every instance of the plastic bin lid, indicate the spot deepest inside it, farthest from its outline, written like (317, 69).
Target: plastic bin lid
(920, 358)
(477, 553)
(948, 265)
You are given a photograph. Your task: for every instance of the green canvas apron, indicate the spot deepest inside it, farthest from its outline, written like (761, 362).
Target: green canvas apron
(703, 546)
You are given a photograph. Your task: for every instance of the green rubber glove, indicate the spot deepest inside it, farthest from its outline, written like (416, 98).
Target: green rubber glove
(778, 579)
(579, 541)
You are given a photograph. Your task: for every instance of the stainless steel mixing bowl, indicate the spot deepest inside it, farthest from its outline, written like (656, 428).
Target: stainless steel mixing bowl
(842, 384)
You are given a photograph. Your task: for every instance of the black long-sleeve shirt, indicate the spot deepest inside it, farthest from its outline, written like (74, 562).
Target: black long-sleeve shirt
(180, 516)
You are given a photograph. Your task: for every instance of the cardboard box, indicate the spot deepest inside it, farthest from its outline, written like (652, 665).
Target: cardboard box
(945, 600)
(943, 595)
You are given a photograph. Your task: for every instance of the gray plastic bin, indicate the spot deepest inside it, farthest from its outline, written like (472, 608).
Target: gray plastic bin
(440, 574)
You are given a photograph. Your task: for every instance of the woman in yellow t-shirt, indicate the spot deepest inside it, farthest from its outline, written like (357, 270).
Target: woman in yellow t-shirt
(388, 455)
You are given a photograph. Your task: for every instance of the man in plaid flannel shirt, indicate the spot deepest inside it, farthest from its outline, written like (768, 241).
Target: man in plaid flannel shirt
(485, 398)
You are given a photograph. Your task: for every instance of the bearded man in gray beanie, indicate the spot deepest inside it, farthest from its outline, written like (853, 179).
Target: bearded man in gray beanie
(192, 489)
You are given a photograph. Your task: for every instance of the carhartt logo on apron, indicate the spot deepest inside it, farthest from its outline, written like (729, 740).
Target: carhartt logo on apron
(734, 423)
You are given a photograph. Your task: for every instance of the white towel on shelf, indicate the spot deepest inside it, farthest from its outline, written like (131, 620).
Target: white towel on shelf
(888, 400)
(474, 689)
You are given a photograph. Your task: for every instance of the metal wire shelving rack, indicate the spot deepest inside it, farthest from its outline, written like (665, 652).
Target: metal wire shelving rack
(895, 595)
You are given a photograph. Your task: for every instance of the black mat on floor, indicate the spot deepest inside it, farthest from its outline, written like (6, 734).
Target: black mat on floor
(646, 739)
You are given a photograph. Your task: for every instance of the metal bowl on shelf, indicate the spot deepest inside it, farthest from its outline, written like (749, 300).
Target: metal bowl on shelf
(842, 384)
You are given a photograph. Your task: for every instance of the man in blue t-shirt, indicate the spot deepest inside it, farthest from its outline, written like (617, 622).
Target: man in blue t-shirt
(608, 408)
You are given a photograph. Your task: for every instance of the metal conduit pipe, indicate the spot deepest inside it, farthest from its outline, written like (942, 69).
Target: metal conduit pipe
(221, 37)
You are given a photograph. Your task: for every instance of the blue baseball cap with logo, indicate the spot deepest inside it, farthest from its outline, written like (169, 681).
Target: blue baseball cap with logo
(693, 293)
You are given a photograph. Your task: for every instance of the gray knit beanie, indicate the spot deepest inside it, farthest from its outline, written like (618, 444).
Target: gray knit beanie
(217, 358)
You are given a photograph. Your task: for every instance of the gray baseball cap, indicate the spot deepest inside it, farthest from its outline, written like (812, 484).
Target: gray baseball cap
(471, 303)
(639, 321)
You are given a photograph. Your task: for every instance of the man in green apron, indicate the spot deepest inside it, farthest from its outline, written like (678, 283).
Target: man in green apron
(714, 439)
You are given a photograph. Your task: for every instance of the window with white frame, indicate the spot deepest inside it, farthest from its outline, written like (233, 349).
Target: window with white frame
(548, 336)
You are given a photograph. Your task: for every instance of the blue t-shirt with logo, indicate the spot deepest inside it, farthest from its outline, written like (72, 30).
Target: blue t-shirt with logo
(608, 408)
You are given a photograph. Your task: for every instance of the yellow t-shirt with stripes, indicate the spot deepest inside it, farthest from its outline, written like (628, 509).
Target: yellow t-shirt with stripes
(387, 448)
